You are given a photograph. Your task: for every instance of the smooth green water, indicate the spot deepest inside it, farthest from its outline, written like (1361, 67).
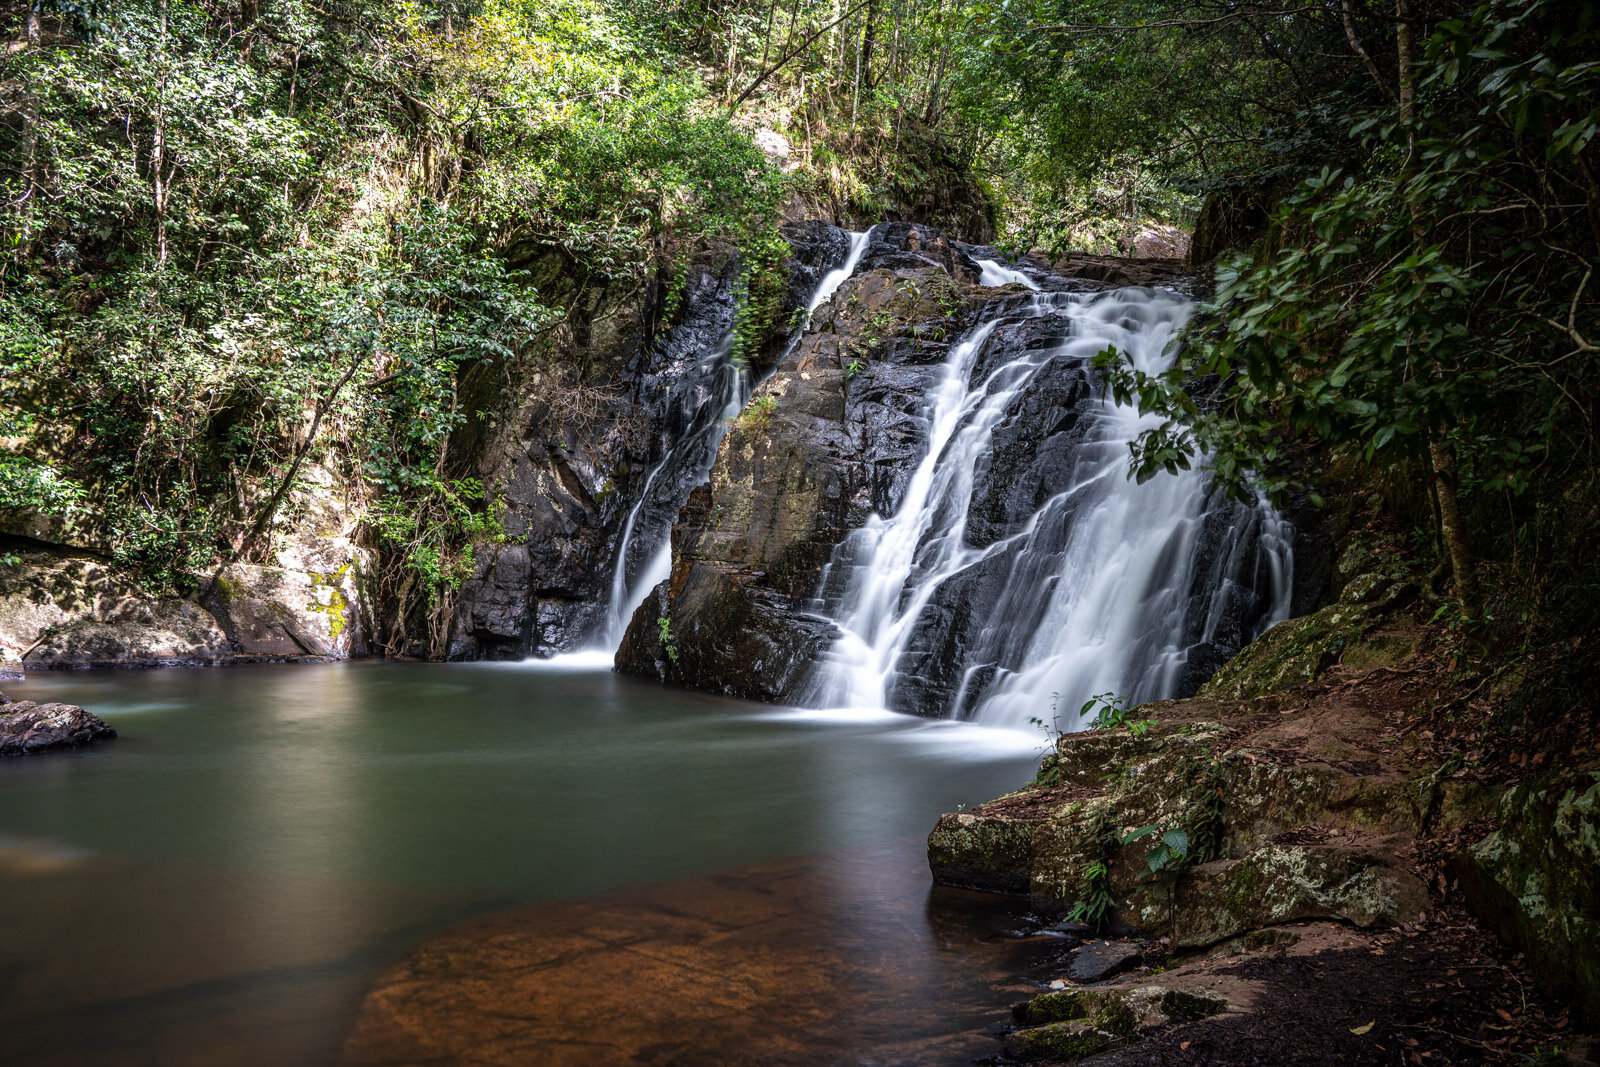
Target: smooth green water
(220, 883)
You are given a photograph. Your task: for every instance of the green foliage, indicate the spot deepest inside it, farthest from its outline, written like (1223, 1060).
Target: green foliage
(668, 645)
(1113, 715)
(1094, 902)
(1170, 853)
(26, 485)
(235, 228)
(1427, 303)
(756, 418)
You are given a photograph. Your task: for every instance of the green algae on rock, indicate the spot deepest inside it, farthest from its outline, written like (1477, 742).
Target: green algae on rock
(1534, 880)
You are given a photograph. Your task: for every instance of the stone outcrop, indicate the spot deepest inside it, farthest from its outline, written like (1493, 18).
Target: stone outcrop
(1247, 857)
(1533, 880)
(830, 437)
(570, 478)
(1357, 629)
(1297, 786)
(27, 727)
(66, 603)
(1074, 1024)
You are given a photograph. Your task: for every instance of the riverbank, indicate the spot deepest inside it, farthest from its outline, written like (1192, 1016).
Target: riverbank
(1344, 772)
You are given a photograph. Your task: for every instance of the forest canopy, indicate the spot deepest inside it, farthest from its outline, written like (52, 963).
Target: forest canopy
(244, 234)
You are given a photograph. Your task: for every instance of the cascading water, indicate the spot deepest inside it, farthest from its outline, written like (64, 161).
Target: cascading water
(714, 390)
(1106, 586)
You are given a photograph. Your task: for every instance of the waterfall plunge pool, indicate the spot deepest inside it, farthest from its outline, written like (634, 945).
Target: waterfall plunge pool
(223, 882)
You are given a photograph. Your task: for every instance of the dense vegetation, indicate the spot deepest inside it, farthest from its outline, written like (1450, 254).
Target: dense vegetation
(243, 234)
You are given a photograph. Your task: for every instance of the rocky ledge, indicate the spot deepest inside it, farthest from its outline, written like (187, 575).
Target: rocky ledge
(1311, 781)
(27, 727)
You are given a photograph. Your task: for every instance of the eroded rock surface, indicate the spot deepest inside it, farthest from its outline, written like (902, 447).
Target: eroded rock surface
(1251, 858)
(620, 458)
(830, 437)
(27, 727)
(1534, 879)
(65, 603)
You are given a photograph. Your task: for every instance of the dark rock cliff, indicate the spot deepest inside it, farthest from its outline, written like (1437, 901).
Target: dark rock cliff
(828, 439)
(573, 463)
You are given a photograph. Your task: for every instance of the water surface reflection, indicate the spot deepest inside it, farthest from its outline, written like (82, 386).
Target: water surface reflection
(222, 883)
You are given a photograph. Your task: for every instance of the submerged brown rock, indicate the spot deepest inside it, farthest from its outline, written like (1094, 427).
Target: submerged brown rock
(27, 727)
(842, 959)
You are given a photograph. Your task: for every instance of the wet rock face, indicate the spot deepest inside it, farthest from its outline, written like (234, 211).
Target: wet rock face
(829, 438)
(571, 482)
(568, 477)
(27, 727)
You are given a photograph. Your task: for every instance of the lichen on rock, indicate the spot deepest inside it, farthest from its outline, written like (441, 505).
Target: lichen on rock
(27, 727)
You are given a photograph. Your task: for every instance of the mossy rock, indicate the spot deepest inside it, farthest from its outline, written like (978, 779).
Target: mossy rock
(1376, 585)
(1058, 1041)
(1534, 880)
(982, 850)
(1278, 884)
(1106, 1010)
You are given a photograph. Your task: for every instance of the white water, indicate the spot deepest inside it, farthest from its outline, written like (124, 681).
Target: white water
(836, 277)
(727, 388)
(994, 274)
(727, 395)
(1100, 584)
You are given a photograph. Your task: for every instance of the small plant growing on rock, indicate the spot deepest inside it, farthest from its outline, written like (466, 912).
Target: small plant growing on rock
(1113, 715)
(756, 418)
(664, 626)
(1092, 907)
(1169, 855)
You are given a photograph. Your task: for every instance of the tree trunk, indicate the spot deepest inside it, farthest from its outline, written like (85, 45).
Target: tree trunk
(158, 148)
(1462, 562)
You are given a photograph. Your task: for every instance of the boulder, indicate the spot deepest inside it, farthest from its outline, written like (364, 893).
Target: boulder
(275, 612)
(1099, 960)
(136, 633)
(1078, 1023)
(1533, 880)
(1364, 628)
(1234, 809)
(27, 727)
(62, 606)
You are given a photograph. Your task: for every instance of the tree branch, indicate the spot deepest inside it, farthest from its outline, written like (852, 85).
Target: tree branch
(790, 54)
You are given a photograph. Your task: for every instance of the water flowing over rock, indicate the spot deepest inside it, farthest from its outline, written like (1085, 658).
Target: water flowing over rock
(589, 502)
(926, 509)
(704, 401)
(830, 437)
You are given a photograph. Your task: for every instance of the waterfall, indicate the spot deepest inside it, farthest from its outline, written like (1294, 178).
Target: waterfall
(713, 391)
(1107, 586)
(715, 388)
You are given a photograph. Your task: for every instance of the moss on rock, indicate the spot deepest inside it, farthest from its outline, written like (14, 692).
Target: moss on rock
(1534, 879)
